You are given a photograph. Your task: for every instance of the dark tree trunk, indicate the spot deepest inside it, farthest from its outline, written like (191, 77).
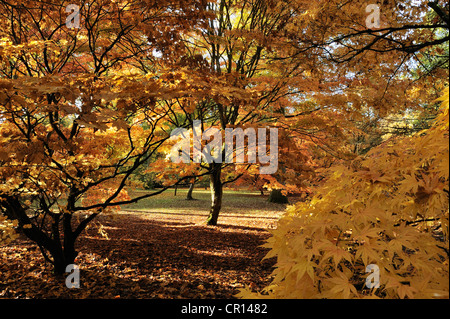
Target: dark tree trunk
(277, 197)
(69, 242)
(62, 259)
(62, 253)
(189, 193)
(216, 193)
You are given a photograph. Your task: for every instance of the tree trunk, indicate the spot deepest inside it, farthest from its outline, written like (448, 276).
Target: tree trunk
(69, 241)
(189, 193)
(62, 259)
(216, 193)
(277, 197)
(62, 254)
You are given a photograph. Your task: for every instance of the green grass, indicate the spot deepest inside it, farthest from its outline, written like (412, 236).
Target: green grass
(240, 202)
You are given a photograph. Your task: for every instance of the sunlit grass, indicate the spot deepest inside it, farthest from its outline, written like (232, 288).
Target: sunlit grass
(234, 201)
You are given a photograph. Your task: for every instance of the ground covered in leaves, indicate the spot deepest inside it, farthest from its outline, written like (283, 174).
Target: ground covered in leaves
(149, 255)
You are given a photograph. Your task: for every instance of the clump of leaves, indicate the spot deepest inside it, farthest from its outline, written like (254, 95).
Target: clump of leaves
(7, 232)
(388, 208)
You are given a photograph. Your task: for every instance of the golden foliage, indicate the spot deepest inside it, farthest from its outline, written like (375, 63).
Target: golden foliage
(7, 233)
(388, 208)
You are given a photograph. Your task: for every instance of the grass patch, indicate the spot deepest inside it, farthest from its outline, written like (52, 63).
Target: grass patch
(245, 208)
(246, 202)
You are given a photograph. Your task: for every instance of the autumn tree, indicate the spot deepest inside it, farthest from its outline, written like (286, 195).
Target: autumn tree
(239, 56)
(388, 207)
(313, 68)
(80, 110)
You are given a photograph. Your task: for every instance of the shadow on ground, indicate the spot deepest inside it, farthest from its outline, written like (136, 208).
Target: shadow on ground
(145, 258)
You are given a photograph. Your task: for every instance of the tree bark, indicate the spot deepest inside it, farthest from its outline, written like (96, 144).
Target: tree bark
(216, 193)
(189, 193)
(277, 197)
(62, 254)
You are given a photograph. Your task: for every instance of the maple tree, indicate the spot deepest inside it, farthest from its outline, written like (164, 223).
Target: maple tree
(238, 55)
(79, 110)
(83, 109)
(261, 60)
(389, 208)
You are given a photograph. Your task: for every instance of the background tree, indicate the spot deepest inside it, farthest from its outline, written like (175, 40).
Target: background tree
(238, 55)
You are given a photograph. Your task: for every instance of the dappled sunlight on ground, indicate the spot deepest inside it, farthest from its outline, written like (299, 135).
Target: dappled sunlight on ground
(150, 255)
